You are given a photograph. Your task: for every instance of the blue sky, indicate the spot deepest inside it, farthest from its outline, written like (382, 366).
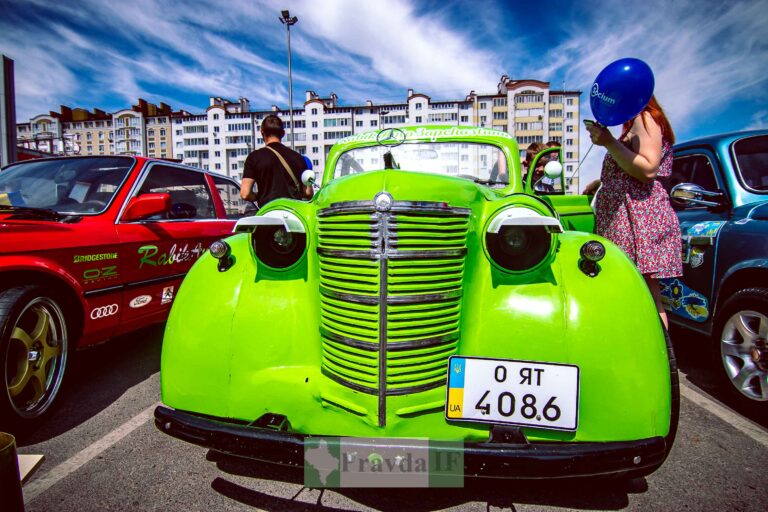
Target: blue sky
(709, 58)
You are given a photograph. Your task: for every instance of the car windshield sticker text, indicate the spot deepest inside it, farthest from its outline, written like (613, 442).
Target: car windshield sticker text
(87, 258)
(104, 311)
(432, 134)
(149, 255)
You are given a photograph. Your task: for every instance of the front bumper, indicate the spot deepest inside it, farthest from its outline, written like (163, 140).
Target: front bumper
(491, 459)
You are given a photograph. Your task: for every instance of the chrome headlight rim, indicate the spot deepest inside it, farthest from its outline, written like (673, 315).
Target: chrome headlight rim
(544, 255)
(263, 235)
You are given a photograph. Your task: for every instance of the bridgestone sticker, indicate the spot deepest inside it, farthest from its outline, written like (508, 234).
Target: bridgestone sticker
(87, 258)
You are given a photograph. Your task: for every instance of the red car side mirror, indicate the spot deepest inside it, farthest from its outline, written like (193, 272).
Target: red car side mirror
(146, 205)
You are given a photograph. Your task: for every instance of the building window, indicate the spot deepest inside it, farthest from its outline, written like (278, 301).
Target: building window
(314, 124)
(233, 166)
(162, 132)
(314, 136)
(314, 111)
(217, 154)
(151, 132)
(215, 116)
(569, 101)
(569, 128)
(418, 119)
(569, 115)
(482, 104)
(358, 123)
(374, 122)
(315, 162)
(315, 150)
(569, 142)
(569, 155)
(464, 119)
(217, 167)
(417, 106)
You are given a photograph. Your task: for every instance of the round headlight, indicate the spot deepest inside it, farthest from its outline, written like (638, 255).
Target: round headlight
(278, 248)
(520, 247)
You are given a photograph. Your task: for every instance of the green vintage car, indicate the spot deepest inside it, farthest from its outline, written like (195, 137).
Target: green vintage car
(426, 291)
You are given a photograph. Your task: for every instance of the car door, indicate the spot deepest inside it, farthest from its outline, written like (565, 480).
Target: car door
(689, 297)
(160, 250)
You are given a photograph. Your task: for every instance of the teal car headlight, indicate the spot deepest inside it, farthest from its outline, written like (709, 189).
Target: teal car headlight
(278, 237)
(518, 239)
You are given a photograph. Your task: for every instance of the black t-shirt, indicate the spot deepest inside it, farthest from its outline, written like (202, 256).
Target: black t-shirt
(272, 179)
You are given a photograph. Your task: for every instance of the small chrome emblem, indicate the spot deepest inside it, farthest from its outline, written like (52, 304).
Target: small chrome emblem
(382, 202)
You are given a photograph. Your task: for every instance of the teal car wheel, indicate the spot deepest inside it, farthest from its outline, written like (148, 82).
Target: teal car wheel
(743, 344)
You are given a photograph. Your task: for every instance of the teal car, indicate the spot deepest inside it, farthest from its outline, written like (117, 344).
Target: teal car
(426, 291)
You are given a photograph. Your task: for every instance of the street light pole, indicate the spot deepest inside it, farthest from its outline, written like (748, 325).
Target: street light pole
(287, 20)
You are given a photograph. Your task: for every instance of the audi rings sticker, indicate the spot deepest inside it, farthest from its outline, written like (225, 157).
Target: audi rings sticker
(140, 301)
(104, 311)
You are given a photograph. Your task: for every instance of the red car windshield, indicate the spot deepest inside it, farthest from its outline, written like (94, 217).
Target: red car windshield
(67, 185)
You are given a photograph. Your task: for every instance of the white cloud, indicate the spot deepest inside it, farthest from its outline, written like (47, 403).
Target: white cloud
(702, 56)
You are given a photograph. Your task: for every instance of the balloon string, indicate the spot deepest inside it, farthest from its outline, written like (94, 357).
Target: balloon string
(582, 161)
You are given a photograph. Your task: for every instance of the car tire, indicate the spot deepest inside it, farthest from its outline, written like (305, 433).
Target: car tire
(740, 346)
(34, 346)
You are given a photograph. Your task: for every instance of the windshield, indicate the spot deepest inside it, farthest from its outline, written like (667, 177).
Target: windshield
(752, 161)
(68, 185)
(483, 163)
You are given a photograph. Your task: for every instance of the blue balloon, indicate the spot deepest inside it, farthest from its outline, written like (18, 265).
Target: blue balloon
(308, 162)
(621, 91)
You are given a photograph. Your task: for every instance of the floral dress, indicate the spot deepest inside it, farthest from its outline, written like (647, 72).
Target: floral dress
(639, 218)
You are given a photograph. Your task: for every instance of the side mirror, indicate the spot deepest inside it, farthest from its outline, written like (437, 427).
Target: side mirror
(553, 169)
(688, 194)
(146, 205)
(308, 177)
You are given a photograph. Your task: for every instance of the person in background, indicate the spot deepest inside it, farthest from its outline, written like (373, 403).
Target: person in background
(633, 209)
(499, 173)
(530, 153)
(275, 169)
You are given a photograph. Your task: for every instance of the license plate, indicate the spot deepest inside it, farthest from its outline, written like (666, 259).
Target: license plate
(526, 393)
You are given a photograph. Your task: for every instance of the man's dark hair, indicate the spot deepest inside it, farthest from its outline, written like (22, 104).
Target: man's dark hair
(272, 126)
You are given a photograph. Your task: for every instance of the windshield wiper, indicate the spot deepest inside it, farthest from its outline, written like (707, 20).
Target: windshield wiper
(45, 213)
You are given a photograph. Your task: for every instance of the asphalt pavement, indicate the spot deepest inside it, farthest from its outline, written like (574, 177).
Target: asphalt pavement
(103, 452)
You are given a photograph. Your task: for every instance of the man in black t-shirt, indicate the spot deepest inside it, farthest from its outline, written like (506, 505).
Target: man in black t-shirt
(266, 167)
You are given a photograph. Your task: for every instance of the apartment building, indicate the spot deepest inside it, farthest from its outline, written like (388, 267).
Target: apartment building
(221, 139)
(143, 129)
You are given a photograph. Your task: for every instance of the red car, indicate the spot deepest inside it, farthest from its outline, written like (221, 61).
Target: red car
(90, 248)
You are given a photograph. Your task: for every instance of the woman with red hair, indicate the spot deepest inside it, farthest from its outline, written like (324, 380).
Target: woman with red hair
(632, 209)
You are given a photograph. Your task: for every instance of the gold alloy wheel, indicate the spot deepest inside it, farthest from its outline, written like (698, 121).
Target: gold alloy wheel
(36, 356)
(745, 354)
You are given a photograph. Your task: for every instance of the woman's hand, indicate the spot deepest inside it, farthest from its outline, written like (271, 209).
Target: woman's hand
(591, 189)
(600, 135)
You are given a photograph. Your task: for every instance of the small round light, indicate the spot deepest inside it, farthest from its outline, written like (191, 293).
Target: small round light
(219, 249)
(593, 251)
(382, 202)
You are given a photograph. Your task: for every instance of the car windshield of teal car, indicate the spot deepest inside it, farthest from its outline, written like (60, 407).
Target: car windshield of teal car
(74, 186)
(752, 159)
(482, 163)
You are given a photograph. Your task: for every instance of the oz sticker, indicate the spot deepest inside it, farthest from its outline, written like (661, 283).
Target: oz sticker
(167, 295)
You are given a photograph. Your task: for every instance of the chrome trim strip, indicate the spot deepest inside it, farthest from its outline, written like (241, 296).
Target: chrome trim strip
(350, 342)
(343, 253)
(446, 340)
(346, 383)
(416, 389)
(397, 206)
(135, 284)
(417, 255)
(348, 297)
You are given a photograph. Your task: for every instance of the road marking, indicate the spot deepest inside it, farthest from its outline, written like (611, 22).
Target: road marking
(747, 427)
(69, 466)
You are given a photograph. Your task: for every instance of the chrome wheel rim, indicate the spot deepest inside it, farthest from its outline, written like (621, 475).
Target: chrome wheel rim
(744, 353)
(35, 358)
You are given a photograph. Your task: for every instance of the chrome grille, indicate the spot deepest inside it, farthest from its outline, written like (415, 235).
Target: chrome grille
(391, 294)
